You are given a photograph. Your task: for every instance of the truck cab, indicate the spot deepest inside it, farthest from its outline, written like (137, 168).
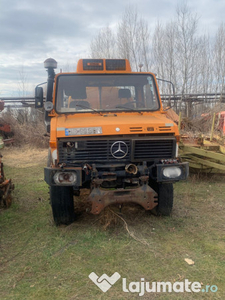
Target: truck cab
(110, 134)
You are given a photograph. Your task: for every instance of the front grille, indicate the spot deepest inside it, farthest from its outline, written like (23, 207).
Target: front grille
(153, 149)
(92, 151)
(100, 150)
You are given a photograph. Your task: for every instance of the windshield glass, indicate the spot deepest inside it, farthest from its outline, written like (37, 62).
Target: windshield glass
(85, 93)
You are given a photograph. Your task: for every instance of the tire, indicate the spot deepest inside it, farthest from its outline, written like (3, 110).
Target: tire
(165, 199)
(62, 204)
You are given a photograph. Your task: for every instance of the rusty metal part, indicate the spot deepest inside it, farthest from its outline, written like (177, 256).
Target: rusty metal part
(144, 179)
(62, 165)
(8, 141)
(131, 169)
(7, 201)
(6, 187)
(143, 195)
(87, 168)
(4, 183)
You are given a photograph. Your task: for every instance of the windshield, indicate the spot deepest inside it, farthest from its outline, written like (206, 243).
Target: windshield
(86, 93)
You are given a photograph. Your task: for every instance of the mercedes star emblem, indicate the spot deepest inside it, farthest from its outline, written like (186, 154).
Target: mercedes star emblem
(119, 149)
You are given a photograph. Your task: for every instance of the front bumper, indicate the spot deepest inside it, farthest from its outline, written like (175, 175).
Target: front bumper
(156, 172)
(142, 193)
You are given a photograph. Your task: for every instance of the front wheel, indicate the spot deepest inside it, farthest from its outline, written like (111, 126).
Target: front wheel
(62, 204)
(165, 199)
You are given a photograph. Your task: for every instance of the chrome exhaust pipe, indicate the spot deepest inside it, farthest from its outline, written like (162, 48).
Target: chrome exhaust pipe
(131, 169)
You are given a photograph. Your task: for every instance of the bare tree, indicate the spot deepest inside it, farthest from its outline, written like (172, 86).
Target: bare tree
(186, 45)
(104, 44)
(145, 49)
(127, 36)
(176, 48)
(164, 54)
(176, 51)
(24, 114)
(133, 38)
(219, 59)
(22, 82)
(68, 67)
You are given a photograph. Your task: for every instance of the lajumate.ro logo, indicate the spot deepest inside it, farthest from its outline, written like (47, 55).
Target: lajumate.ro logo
(141, 287)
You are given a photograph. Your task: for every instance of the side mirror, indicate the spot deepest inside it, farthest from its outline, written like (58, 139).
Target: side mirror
(38, 97)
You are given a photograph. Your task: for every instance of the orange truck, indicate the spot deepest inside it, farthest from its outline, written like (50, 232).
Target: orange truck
(110, 134)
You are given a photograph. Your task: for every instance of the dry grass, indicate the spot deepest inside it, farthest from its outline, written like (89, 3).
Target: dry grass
(41, 261)
(26, 133)
(24, 157)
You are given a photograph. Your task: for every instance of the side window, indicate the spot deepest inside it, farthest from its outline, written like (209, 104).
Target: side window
(149, 95)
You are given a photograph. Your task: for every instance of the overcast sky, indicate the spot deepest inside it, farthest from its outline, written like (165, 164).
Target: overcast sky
(31, 31)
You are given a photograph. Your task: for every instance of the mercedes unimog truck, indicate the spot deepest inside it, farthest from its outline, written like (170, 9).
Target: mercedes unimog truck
(108, 133)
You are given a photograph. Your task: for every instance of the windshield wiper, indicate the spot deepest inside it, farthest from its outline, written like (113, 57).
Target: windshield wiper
(88, 107)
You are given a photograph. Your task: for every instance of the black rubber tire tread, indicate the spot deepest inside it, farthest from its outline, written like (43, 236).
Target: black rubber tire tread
(62, 204)
(165, 199)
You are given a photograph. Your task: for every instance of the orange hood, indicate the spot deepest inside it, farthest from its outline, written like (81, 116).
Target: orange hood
(114, 124)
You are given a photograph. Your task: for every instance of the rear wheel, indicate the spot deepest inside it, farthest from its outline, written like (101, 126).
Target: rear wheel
(165, 199)
(62, 204)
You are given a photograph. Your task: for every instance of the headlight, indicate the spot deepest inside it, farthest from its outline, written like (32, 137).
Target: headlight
(54, 154)
(172, 172)
(67, 178)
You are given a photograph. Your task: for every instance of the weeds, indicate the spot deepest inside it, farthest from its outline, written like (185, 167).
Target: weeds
(26, 131)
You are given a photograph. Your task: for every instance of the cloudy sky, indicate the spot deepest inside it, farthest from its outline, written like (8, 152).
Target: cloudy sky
(33, 30)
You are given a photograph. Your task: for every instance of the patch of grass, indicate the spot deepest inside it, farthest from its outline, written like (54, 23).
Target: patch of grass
(41, 261)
